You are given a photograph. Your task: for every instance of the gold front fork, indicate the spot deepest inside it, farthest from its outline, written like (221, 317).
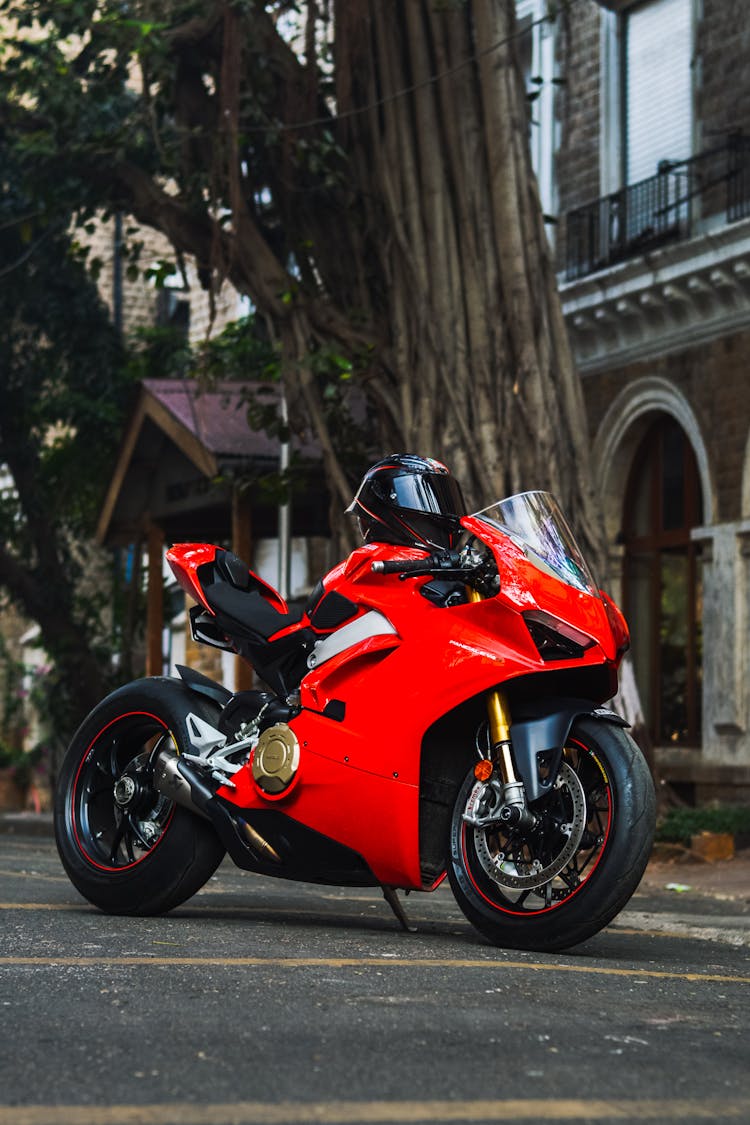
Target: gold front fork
(499, 720)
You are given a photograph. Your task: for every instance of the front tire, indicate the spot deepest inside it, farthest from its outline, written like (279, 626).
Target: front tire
(126, 847)
(555, 886)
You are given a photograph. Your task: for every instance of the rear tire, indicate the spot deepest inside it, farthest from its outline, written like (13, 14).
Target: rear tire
(557, 885)
(126, 847)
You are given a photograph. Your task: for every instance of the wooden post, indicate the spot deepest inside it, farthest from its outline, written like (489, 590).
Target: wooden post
(155, 603)
(242, 545)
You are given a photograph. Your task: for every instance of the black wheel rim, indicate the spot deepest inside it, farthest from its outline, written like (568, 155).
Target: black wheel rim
(117, 817)
(522, 851)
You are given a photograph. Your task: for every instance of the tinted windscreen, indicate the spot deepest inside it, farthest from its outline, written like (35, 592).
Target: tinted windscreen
(534, 520)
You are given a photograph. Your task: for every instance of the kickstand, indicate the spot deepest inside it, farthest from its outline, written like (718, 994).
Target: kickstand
(390, 896)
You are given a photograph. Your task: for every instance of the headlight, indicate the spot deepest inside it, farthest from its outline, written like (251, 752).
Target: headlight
(555, 639)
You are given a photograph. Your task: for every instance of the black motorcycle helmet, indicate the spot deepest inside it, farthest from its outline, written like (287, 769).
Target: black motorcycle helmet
(410, 500)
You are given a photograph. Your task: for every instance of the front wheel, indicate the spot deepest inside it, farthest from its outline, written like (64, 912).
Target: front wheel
(126, 847)
(552, 886)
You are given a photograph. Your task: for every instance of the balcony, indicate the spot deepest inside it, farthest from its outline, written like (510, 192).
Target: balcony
(674, 205)
(661, 265)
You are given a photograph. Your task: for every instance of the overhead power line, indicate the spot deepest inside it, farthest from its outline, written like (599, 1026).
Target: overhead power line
(283, 127)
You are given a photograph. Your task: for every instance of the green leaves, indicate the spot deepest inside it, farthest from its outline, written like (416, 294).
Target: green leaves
(162, 272)
(62, 381)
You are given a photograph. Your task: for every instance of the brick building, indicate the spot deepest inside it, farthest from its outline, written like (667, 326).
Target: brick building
(648, 175)
(136, 303)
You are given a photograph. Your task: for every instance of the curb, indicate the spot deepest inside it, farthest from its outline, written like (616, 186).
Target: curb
(26, 824)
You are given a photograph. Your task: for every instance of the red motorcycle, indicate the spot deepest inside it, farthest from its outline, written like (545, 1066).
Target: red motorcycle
(437, 706)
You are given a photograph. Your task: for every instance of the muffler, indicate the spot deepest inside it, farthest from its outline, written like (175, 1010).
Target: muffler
(180, 782)
(171, 783)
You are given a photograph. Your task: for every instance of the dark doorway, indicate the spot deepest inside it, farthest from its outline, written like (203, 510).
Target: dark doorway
(663, 582)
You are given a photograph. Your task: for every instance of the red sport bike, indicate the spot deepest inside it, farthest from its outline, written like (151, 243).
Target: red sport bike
(428, 711)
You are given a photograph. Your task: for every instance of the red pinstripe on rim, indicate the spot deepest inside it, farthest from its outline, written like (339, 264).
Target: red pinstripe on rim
(562, 902)
(74, 791)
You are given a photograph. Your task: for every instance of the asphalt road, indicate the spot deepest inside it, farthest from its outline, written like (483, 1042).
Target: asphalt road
(269, 1002)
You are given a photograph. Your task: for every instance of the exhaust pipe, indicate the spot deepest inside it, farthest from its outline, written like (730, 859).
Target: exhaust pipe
(177, 780)
(171, 783)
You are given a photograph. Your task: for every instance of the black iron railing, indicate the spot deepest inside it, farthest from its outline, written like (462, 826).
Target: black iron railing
(662, 209)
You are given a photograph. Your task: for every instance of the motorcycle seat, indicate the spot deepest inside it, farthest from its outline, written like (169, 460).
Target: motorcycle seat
(249, 611)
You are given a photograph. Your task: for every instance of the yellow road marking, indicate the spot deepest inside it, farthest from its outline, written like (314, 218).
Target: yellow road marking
(45, 905)
(364, 963)
(209, 908)
(383, 1112)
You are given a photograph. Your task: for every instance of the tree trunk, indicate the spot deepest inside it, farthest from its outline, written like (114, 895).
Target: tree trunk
(475, 364)
(425, 252)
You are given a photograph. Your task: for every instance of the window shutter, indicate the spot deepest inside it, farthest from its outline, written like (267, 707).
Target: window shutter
(658, 76)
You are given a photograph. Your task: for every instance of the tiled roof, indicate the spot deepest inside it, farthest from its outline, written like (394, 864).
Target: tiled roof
(217, 417)
(175, 423)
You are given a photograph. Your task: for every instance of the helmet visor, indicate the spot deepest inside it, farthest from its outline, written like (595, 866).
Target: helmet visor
(437, 493)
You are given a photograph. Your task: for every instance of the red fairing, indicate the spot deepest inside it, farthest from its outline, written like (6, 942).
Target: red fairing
(330, 793)
(184, 560)
(523, 587)
(619, 625)
(416, 663)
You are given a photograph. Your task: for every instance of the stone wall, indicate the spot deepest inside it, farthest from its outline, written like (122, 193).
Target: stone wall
(713, 379)
(705, 386)
(723, 102)
(578, 64)
(140, 298)
(710, 382)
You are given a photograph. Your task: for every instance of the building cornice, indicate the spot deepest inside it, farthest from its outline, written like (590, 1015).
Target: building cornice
(671, 298)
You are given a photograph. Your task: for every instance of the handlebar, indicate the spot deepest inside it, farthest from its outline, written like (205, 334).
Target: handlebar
(444, 562)
(405, 566)
(471, 570)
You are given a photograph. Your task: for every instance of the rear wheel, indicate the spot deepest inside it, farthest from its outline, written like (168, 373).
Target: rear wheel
(126, 847)
(558, 883)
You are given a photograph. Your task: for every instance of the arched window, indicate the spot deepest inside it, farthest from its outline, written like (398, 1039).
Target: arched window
(662, 582)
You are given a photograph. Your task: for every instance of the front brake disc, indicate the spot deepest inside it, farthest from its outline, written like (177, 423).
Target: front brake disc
(527, 872)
